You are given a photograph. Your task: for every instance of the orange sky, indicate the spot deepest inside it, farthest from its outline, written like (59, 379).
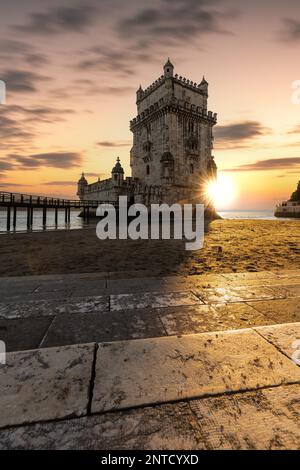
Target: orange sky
(72, 69)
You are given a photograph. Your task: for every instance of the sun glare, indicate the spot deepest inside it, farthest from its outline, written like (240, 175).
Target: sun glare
(221, 192)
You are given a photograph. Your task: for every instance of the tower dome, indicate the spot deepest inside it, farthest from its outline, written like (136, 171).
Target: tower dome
(81, 186)
(118, 167)
(82, 180)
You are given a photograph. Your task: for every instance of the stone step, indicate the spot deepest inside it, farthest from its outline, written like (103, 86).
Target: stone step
(69, 381)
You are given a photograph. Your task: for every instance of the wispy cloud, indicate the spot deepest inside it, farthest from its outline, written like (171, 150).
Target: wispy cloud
(22, 81)
(52, 159)
(63, 160)
(290, 30)
(110, 144)
(237, 134)
(174, 22)
(270, 164)
(74, 19)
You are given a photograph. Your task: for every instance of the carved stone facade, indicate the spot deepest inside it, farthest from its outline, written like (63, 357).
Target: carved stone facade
(171, 158)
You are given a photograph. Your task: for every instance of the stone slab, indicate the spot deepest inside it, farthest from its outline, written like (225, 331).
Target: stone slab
(236, 294)
(292, 291)
(54, 307)
(266, 419)
(149, 371)
(216, 317)
(170, 426)
(62, 285)
(282, 336)
(250, 275)
(46, 384)
(151, 300)
(24, 333)
(95, 327)
(281, 311)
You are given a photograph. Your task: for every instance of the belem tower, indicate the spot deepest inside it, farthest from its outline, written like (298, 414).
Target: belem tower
(171, 157)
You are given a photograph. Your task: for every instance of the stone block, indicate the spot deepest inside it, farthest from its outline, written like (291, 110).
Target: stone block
(150, 371)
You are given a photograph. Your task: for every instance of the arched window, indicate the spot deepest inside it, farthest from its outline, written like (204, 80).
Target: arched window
(191, 168)
(148, 170)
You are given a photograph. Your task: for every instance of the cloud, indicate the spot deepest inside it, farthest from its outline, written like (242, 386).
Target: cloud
(174, 22)
(12, 129)
(295, 130)
(116, 144)
(64, 160)
(20, 125)
(7, 184)
(4, 166)
(74, 19)
(22, 81)
(60, 183)
(270, 164)
(290, 31)
(238, 134)
(11, 49)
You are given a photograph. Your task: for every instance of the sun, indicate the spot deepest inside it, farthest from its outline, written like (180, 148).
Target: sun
(221, 192)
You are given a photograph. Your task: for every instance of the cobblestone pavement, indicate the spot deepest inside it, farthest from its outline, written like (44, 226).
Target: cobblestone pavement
(197, 362)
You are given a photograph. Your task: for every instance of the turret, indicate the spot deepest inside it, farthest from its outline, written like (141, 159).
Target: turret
(81, 186)
(117, 173)
(139, 94)
(168, 69)
(203, 86)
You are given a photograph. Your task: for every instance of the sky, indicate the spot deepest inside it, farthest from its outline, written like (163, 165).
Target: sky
(72, 69)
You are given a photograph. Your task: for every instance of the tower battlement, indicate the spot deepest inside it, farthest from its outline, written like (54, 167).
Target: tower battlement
(171, 157)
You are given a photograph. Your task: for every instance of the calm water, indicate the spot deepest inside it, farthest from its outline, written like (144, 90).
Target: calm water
(253, 214)
(78, 223)
(75, 221)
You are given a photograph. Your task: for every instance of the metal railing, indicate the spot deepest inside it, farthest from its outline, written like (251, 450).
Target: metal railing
(19, 199)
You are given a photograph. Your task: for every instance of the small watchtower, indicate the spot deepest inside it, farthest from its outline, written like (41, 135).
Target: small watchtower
(117, 174)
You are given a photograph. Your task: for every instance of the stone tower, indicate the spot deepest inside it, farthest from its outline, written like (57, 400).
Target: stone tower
(172, 136)
(81, 186)
(117, 174)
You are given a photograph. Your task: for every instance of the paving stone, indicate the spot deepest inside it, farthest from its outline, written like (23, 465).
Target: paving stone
(151, 300)
(237, 294)
(60, 295)
(291, 273)
(281, 311)
(280, 282)
(45, 384)
(71, 285)
(95, 327)
(168, 284)
(250, 275)
(24, 333)
(171, 426)
(203, 318)
(149, 371)
(49, 307)
(292, 291)
(282, 336)
(266, 419)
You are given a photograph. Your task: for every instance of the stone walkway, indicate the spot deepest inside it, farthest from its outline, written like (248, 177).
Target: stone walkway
(198, 362)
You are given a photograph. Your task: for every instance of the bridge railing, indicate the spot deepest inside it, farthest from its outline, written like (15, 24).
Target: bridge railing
(7, 198)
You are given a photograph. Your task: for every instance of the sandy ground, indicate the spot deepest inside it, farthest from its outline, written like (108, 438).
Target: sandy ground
(230, 246)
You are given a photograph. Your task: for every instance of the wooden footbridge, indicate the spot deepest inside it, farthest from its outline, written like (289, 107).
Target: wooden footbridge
(14, 201)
